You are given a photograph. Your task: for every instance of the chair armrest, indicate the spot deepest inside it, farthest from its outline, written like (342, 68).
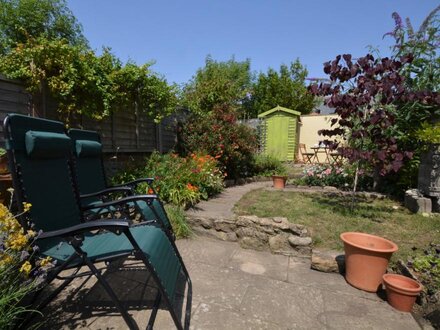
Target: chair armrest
(108, 191)
(113, 225)
(147, 198)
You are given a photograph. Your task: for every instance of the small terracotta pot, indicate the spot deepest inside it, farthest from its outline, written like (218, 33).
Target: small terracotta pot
(401, 291)
(366, 259)
(279, 181)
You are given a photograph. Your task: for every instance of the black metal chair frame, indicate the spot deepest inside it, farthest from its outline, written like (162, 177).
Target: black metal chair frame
(75, 235)
(128, 188)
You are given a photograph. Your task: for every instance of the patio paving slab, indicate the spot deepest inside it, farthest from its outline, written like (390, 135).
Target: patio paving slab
(235, 288)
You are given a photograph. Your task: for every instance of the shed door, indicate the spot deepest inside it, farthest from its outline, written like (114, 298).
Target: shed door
(277, 129)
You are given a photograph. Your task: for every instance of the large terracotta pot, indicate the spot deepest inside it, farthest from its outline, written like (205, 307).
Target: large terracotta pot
(401, 291)
(279, 181)
(366, 259)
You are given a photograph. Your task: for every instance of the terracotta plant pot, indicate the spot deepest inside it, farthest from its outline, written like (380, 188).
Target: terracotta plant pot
(4, 169)
(366, 259)
(279, 181)
(401, 291)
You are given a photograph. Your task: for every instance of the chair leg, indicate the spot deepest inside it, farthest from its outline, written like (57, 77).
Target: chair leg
(127, 318)
(154, 312)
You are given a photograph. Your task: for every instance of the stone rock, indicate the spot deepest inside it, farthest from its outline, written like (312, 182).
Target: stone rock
(416, 203)
(206, 223)
(252, 243)
(328, 261)
(284, 224)
(246, 220)
(330, 188)
(277, 219)
(252, 232)
(299, 241)
(225, 225)
(298, 230)
(230, 237)
(279, 243)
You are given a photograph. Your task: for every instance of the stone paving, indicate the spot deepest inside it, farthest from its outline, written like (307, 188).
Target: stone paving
(234, 288)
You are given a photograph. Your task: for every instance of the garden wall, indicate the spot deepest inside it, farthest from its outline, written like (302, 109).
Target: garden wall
(309, 127)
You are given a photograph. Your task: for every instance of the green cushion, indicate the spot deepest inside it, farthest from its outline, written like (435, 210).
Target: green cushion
(46, 145)
(87, 148)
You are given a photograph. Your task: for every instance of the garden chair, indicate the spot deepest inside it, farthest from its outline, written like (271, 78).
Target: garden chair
(92, 180)
(39, 156)
(305, 156)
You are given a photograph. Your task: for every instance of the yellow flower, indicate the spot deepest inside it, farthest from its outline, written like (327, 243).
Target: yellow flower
(26, 206)
(26, 268)
(5, 259)
(45, 261)
(16, 241)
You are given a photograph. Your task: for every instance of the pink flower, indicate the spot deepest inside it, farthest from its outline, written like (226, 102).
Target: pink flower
(328, 171)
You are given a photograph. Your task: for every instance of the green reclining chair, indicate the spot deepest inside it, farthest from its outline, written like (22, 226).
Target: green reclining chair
(39, 153)
(92, 180)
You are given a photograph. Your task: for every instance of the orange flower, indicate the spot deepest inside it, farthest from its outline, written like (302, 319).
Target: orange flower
(191, 187)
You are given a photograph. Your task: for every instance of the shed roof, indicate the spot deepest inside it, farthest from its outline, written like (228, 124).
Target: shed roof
(278, 108)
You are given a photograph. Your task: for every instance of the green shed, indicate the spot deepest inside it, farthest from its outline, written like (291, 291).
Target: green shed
(279, 132)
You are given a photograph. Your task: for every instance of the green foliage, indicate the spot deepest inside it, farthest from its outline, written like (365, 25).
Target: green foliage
(428, 267)
(21, 20)
(428, 133)
(267, 165)
(286, 88)
(219, 135)
(179, 181)
(422, 75)
(42, 45)
(138, 85)
(178, 221)
(216, 84)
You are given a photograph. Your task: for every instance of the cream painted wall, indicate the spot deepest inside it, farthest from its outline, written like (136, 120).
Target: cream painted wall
(308, 131)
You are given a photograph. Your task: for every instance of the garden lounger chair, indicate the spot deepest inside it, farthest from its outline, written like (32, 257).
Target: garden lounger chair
(92, 180)
(39, 156)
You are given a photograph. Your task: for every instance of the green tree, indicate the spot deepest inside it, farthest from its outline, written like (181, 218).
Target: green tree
(140, 88)
(285, 88)
(24, 19)
(218, 83)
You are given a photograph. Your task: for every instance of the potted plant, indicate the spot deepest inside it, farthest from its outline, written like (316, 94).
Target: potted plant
(401, 291)
(366, 259)
(279, 178)
(4, 169)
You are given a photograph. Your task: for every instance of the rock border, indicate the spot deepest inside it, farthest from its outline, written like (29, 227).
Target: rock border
(275, 234)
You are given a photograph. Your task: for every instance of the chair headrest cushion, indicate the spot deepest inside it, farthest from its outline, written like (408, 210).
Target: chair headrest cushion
(88, 148)
(47, 145)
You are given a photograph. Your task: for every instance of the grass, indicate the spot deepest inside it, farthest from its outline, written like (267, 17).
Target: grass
(178, 221)
(328, 216)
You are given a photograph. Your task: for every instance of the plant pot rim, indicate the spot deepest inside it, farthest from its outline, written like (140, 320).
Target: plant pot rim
(392, 249)
(279, 176)
(390, 280)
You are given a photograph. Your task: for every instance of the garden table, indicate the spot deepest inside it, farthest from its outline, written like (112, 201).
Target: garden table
(318, 150)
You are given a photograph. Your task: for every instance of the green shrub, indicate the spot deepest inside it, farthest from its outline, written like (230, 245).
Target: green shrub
(179, 181)
(178, 221)
(218, 134)
(267, 165)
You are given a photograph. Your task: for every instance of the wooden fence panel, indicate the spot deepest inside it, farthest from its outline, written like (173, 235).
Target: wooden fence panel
(123, 131)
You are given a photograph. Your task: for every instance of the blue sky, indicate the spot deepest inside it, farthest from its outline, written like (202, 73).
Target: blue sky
(178, 35)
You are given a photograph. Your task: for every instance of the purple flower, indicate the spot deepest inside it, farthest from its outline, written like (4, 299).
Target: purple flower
(397, 20)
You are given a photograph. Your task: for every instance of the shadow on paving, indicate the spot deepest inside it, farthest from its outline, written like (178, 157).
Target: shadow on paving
(87, 299)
